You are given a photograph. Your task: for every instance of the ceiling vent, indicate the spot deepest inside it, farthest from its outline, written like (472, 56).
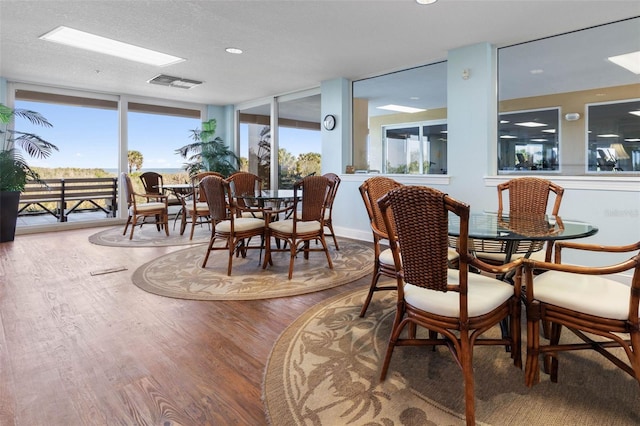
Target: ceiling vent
(167, 80)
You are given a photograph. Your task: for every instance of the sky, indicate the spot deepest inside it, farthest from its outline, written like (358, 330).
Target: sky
(89, 139)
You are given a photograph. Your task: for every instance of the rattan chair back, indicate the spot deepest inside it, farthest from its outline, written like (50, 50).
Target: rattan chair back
(371, 191)
(420, 216)
(244, 183)
(152, 182)
(530, 195)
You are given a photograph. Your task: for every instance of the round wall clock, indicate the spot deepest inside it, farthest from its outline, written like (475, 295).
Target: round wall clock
(329, 122)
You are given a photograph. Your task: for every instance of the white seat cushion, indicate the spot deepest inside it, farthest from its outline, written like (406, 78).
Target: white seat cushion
(499, 257)
(240, 224)
(386, 257)
(484, 295)
(145, 207)
(255, 214)
(590, 294)
(286, 226)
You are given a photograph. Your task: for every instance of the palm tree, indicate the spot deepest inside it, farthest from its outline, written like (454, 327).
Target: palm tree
(14, 170)
(208, 152)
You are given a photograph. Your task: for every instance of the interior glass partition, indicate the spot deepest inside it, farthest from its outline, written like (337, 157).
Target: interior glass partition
(614, 137)
(399, 122)
(576, 77)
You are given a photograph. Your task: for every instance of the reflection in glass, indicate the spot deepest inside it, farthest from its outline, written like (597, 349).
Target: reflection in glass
(528, 140)
(255, 142)
(614, 137)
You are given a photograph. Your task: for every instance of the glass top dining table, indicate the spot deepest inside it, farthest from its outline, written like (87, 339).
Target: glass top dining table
(512, 231)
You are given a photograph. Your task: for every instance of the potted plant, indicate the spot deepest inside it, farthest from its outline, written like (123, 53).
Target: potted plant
(14, 170)
(208, 152)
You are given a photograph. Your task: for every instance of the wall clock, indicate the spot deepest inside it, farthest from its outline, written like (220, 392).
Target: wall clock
(329, 122)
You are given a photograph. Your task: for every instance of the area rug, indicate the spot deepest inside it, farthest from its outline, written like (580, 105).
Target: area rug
(324, 370)
(180, 275)
(149, 236)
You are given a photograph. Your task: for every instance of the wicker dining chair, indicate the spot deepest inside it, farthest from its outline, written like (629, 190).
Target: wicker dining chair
(328, 213)
(245, 183)
(602, 312)
(227, 225)
(194, 204)
(140, 211)
(153, 183)
(526, 195)
(371, 191)
(456, 307)
(306, 223)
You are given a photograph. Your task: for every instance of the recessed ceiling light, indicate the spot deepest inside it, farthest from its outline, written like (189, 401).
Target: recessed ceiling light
(426, 1)
(233, 50)
(504, 121)
(630, 61)
(414, 98)
(635, 113)
(508, 137)
(549, 131)
(530, 124)
(80, 39)
(632, 140)
(400, 108)
(539, 140)
(608, 135)
(536, 71)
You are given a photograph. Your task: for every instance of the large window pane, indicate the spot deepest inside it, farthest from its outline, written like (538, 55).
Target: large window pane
(380, 113)
(255, 142)
(614, 137)
(86, 133)
(573, 75)
(156, 132)
(299, 139)
(528, 140)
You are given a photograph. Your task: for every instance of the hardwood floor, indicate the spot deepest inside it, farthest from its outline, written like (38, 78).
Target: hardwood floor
(82, 349)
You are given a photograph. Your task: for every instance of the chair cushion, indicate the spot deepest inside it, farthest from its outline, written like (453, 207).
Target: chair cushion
(286, 226)
(590, 294)
(499, 257)
(145, 207)
(484, 295)
(201, 207)
(253, 214)
(386, 257)
(240, 224)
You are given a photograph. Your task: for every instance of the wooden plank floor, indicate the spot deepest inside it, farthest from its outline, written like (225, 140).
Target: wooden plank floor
(77, 349)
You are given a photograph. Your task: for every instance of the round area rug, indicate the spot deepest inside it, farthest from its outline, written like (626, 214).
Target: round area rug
(325, 368)
(180, 275)
(149, 236)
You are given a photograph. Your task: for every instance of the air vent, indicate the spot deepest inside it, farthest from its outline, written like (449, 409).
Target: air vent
(167, 80)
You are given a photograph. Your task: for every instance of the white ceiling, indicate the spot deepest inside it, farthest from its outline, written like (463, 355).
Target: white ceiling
(288, 45)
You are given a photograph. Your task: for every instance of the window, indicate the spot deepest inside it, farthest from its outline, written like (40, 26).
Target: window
(156, 132)
(415, 149)
(399, 121)
(614, 137)
(298, 138)
(528, 140)
(571, 77)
